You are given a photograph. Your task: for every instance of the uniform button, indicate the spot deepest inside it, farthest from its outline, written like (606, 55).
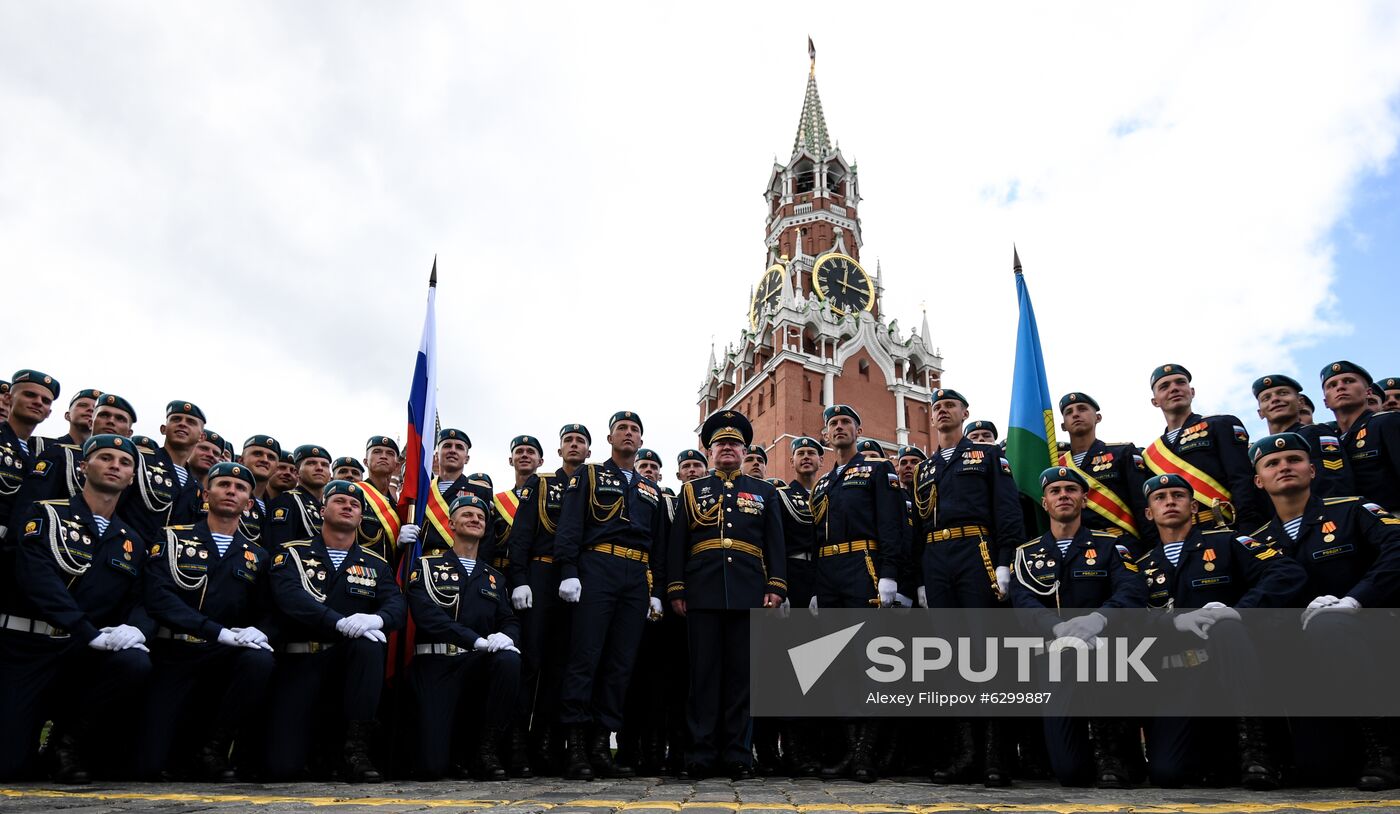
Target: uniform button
(729, 510)
(727, 543)
(729, 525)
(729, 559)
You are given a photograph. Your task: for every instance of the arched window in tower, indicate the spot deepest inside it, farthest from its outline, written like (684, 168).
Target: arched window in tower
(804, 177)
(834, 178)
(773, 393)
(806, 388)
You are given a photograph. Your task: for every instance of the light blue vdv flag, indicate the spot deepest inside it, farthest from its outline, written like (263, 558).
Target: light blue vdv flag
(1030, 434)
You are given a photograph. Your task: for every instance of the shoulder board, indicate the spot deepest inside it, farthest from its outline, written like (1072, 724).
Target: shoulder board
(297, 543)
(74, 447)
(1101, 534)
(181, 528)
(254, 544)
(373, 553)
(1218, 533)
(55, 502)
(1333, 501)
(1116, 444)
(1128, 564)
(1029, 542)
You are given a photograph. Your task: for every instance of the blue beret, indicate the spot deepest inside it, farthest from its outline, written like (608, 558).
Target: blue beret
(578, 428)
(908, 451)
(381, 441)
(212, 437)
(308, 451)
(1338, 368)
(776, 481)
(88, 393)
(286, 457)
(526, 441)
(184, 408)
(44, 380)
(871, 446)
(947, 393)
(981, 425)
(839, 410)
(347, 461)
(342, 487)
(4, 387)
(1156, 482)
(451, 434)
(1303, 397)
(109, 441)
(645, 454)
(266, 442)
(229, 469)
(1274, 380)
(116, 402)
(145, 442)
(480, 477)
(1282, 442)
(755, 449)
(807, 442)
(1392, 383)
(692, 455)
(468, 500)
(728, 425)
(1055, 474)
(1162, 371)
(1077, 398)
(624, 415)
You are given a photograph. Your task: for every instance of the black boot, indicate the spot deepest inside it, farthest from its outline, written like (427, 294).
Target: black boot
(212, 759)
(994, 770)
(520, 754)
(843, 764)
(1258, 769)
(358, 768)
(1105, 736)
(487, 758)
(863, 755)
(542, 748)
(600, 756)
(1379, 772)
(576, 766)
(964, 763)
(766, 751)
(66, 759)
(799, 742)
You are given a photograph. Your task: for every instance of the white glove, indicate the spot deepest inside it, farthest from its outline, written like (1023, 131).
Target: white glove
(1084, 627)
(570, 589)
(99, 642)
(1344, 605)
(1196, 621)
(1003, 579)
(498, 641)
(481, 644)
(653, 609)
(252, 637)
(228, 637)
(123, 637)
(357, 624)
(374, 636)
(923, 597)
(522, 597)
(886, 589)
(408, 534)
(784, 609)
(812, 606)
(1214, 606)
(902, 601)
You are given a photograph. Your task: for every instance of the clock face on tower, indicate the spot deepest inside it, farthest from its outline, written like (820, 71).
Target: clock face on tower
(841, 280)
(769, 291)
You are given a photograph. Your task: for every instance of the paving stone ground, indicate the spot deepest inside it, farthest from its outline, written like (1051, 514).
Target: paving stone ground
(652, 796)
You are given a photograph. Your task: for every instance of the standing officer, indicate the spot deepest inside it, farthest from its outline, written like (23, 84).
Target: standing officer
(1391, 388)
(296, 513)
(30, 401)
(165, 493)
(526, 455)
(610, 526)
(79, 418)
(691, 464)
(756, 461)
(452, 453)
(969, 524)
(334, 602)
(1371, 440)
(284, 476)
(858, 511)
(1059, 576)
(1208, 451)
(726, 556)
(67, 649)
(205, 589)
(1350, 550)
(1278, 398)
(260, 455)
(1203, 577)
(544, 621)
(380, 529)
(57, 474)
(641, 742)
(1113, 474)
(347, 468)
(465, 643)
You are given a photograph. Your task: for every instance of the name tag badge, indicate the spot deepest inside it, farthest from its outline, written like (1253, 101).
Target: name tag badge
(1333, 551)
(1210, 582)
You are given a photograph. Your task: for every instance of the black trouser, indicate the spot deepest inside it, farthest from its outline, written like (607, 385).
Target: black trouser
(644, 711)
(607, 631)
(232, 682)
(440, 681)
(956, 575)
(544, 645)
(847, 581)
(718, 714)
(352, 670)
(81, 689)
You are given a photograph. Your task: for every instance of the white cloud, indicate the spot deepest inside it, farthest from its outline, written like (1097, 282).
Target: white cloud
(239, 204)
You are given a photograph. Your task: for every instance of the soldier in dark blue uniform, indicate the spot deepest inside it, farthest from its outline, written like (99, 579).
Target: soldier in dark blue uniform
(858, 509)
(284, 476)
(641, 742)
(206, 593)
(68, 649)
(1390, 387)
(1060, 578)
(296, 513)
(1203, 576)
(347, 468)
(726, 556)
(452, 453)
(610, 532)
(544, 620)
(57, 474)
(1279, 401)
(1113, 474)
(1370, 440)
(980, 432)
(756, 461)
(260, 455)
(1350, 550)
(30, 402)
(1209, 451)
(79, 418)
(381, 529)
(207, 452)
(691, 464)
(465, 645)
(165, 493)
(334, 603)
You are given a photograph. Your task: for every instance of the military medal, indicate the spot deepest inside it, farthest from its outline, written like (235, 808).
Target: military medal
(1209, 556)
(1327, 538)
(1089, 556)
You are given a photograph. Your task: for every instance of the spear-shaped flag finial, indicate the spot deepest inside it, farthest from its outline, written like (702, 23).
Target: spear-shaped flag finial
(432, 278)
(1015, 259)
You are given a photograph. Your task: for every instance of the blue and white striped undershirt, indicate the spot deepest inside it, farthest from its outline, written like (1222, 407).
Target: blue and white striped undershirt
(1079, 457)
(221, 542)
(1064, 545)
(1173, 551)
(444, 485)
(1292, 527)
(468, 565)
(337, 556)
(1172, 434)
(947, 453)
(183, 474)
(101, 523)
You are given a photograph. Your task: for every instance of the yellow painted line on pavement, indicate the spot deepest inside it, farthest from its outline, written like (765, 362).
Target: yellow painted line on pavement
(672, 805)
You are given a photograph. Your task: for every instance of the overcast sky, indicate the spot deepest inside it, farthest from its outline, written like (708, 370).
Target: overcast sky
(238, 205)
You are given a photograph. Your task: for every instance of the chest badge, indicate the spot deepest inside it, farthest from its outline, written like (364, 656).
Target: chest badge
(1209, 556)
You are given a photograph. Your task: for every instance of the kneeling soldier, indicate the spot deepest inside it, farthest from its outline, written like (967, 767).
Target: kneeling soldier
(205, 589)
(335, 600)
(466, 639)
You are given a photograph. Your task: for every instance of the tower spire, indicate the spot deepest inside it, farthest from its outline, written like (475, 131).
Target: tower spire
(811, 127)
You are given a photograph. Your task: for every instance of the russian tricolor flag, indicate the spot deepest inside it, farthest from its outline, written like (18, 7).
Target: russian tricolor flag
(422, 415)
